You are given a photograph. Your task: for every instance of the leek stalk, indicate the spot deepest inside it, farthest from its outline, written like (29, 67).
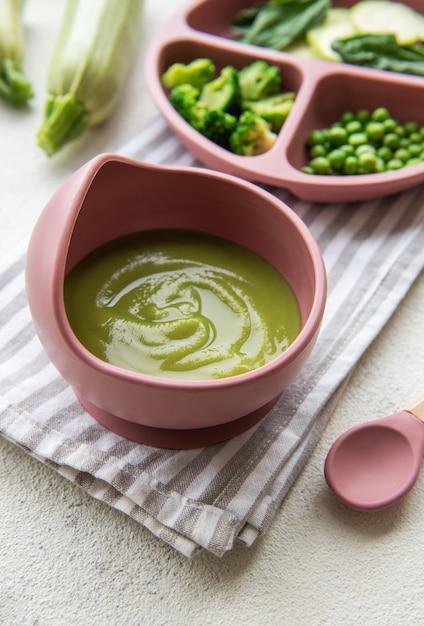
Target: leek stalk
(90, 62)
(14, 86)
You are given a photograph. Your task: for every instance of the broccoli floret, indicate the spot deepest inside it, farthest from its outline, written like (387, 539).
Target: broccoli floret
(274, 109)
(196, 73)
(184, 98)
(218, 126)
(258, 80)
(252, 135)
(215, 124)
(217, 110)
(223, 93)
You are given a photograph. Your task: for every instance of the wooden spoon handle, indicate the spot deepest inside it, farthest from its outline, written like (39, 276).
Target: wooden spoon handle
(417, 408)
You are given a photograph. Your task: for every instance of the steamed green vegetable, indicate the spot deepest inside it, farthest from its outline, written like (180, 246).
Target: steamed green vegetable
(380, 34)
(273, 109)
(365, 142)
(90, 63)
(196, 73)
(214, 123)
(258, 80)
(223, 92)
(278, 23)
(252, 135)
(381, 52)
(14, 87)
(240, 110)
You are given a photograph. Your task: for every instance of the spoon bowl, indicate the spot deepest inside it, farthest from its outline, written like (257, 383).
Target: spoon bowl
(373, 465)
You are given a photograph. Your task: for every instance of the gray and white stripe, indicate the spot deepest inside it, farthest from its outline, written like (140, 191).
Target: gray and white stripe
(207, 498)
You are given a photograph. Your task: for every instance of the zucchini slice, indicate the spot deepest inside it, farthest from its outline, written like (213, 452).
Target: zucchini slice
(338, 25)
(380, 17)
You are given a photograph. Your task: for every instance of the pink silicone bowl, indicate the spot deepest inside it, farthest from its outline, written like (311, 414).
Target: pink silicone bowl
(112, 196)
(324, 91)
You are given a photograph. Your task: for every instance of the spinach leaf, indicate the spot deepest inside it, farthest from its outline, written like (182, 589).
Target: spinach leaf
(382, 52)
(277, 23)
(245, 18)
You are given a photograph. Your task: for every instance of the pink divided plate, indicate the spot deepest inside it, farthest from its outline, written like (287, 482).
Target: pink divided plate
(324, 91)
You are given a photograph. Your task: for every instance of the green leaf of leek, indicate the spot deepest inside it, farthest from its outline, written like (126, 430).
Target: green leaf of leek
(14, 87)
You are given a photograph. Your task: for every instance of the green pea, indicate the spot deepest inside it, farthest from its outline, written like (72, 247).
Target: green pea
(380, 114)
(367, 162)
(337, 136)
(307, 169)
(353, 127)
(317, 150)
(404, 142)
(357, 139)
(415, 137)
(411, 127)
(363, 116)
(413, 161)
(365, 147)
(347, 149)
(415, 149)
(375, 131)
(389, 125)
(336, 159)
(400, 131)
(347, 117)
(351, 166)
(402, 154)
(391, 140)
(385, 153)
(394, 164)
(320, 165)
(316, 137)
(380, 165)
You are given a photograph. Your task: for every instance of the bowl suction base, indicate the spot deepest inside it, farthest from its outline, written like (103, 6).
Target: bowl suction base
(182, 439)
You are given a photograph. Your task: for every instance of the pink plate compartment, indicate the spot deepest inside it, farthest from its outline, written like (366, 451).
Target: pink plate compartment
(324, 90)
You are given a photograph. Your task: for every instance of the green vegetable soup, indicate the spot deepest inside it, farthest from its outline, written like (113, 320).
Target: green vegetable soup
(180, 304)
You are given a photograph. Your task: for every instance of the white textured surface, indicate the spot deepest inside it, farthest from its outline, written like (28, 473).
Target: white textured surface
(68, 559)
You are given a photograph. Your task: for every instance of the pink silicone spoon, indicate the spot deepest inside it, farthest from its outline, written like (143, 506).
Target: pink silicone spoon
(373, 465)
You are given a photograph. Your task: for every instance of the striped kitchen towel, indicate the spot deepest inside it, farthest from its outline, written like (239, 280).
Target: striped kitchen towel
(208, 498)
